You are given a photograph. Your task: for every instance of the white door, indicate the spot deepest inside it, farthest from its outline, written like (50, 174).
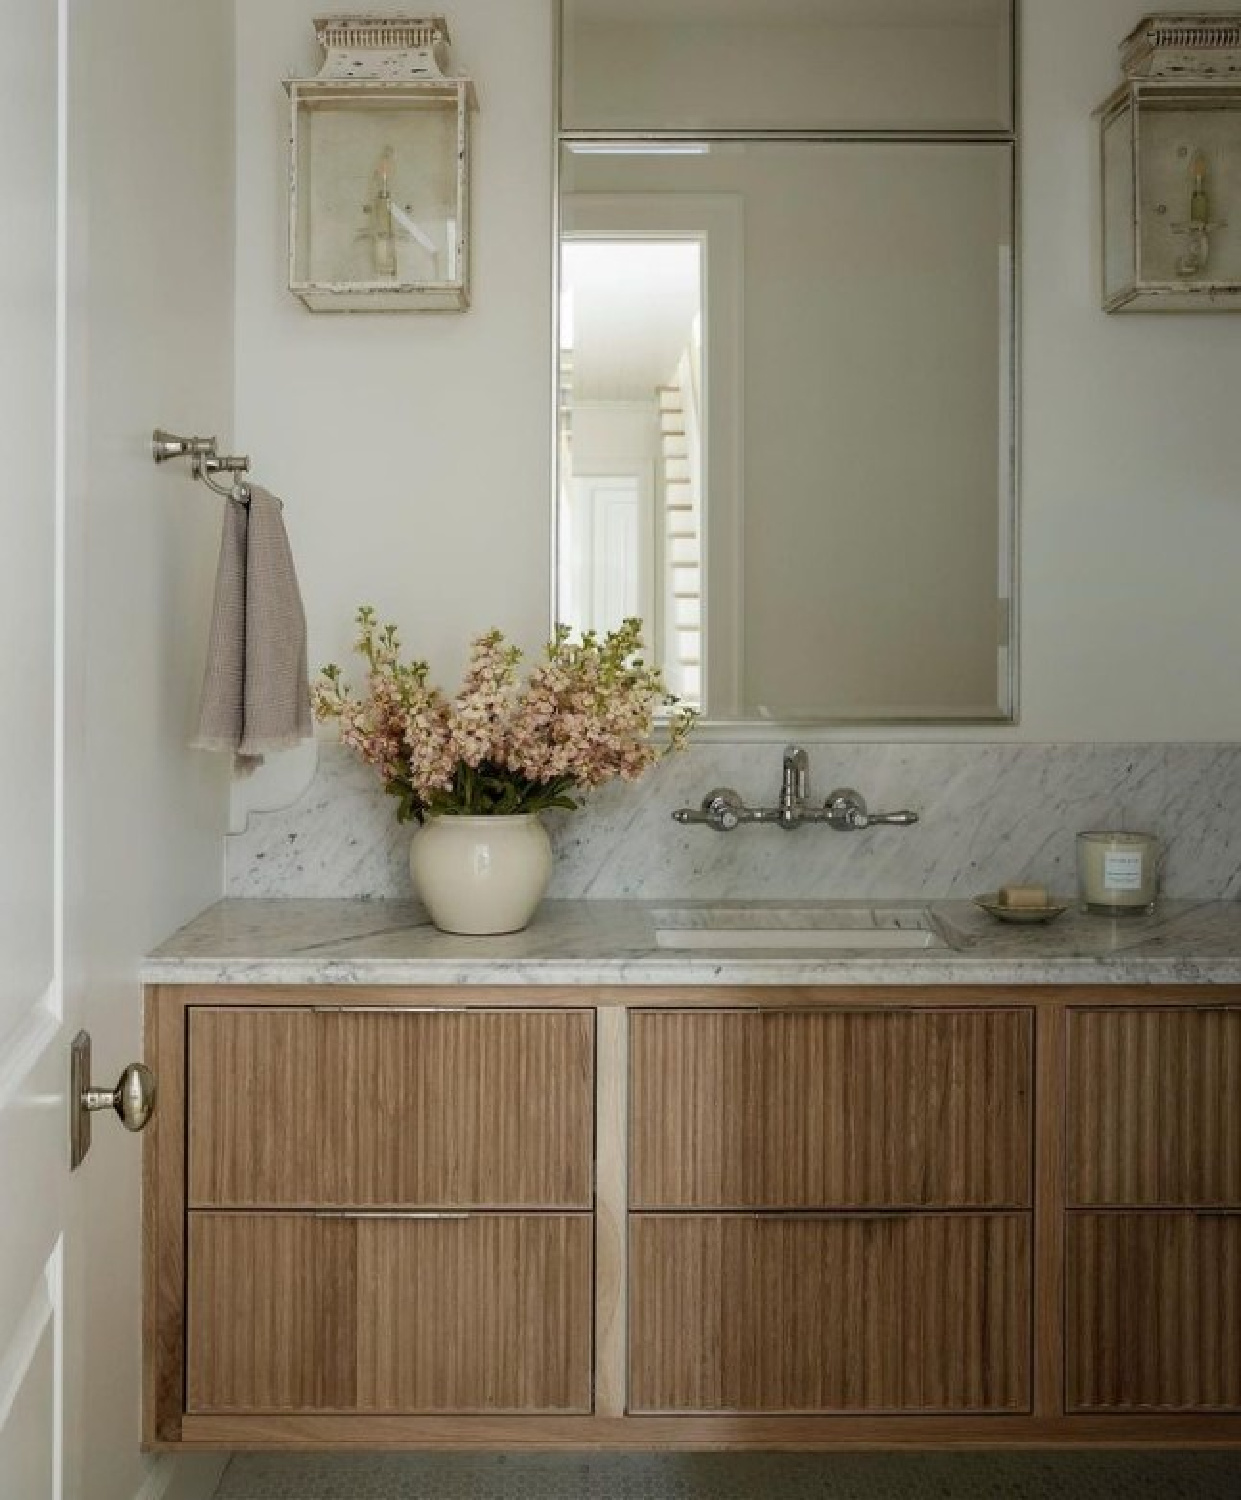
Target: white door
(616, 571)
(614, 534)
(36, 1344)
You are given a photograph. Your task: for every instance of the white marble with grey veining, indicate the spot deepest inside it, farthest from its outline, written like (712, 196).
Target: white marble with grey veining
(271, 942)
(991, 814)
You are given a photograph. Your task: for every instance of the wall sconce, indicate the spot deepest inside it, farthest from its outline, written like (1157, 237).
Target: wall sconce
(1171, 154)
(379, 170)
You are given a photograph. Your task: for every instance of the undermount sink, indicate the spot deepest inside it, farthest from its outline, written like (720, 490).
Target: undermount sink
(799, 928)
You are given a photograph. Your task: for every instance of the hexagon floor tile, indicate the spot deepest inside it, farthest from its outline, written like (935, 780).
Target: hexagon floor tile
(875, 1476)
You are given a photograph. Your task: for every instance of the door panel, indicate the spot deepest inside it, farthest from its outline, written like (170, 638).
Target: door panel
(919, 1312)
(33, 1165)
(310, 1312)
(1155, 1108)
(409, 1109)
(28, 379)
(27, 1443)
(1154, 1312)
(831, 1110)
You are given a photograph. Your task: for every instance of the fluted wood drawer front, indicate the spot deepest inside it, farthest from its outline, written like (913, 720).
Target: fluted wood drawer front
(919, 1312)
(310, 1313)
(1153, 1312)
(353, 1109)
(771, 1110)
(1155, 1107)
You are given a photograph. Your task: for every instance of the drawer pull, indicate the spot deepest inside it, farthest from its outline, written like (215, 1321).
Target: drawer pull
(383, 1213)
(390, 1010)
(444, 1010)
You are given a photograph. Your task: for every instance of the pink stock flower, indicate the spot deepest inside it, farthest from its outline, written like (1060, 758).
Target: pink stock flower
(583, 717)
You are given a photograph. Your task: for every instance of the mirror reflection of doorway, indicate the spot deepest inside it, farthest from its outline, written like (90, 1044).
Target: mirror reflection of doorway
(612, 576)
(632, 492)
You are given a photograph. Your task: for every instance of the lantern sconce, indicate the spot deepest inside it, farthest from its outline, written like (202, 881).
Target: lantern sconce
(379, 170)
(1171, 168)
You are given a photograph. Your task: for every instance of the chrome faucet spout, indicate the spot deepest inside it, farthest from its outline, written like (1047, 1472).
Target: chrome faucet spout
(794, 786)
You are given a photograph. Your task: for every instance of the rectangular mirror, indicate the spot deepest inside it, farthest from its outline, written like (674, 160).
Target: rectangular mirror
(785, 428)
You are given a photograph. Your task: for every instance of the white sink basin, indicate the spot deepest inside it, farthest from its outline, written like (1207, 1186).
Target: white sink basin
(799, 928)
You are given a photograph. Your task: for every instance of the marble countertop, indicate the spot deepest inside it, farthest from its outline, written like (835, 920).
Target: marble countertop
(288, 942)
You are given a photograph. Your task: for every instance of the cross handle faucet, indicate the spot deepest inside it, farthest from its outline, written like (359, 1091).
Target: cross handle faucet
(845, 810)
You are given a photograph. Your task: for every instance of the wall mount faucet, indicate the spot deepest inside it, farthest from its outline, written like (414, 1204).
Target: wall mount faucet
(845, 810)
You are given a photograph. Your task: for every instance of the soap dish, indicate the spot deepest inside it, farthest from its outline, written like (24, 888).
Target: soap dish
(991, 904)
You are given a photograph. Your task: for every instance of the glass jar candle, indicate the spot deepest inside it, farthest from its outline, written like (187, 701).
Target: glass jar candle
(1117, 873)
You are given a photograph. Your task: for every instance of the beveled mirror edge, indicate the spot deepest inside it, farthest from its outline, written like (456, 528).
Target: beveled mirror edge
(723, 730)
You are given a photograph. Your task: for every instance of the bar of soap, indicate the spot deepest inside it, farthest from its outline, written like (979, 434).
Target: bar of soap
(1023, 895)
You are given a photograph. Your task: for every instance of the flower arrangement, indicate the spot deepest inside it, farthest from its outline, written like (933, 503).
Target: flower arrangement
(582, 717)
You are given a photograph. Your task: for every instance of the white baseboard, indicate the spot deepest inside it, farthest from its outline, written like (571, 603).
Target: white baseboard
(189, 1476)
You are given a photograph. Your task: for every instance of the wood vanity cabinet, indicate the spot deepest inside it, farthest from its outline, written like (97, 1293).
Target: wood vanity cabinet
(692, 1217)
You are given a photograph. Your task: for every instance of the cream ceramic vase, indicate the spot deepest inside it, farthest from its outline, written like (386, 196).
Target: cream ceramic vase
(481, 876)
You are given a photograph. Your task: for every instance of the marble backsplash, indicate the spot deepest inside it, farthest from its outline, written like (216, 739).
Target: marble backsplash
(990, 814)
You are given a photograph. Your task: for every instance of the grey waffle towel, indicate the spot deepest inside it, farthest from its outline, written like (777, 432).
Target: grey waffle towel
(256, 689)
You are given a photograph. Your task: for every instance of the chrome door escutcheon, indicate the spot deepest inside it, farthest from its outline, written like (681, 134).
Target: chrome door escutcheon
(133, 1098)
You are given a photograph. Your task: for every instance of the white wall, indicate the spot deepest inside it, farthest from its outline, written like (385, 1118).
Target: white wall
(414, 450)
(151, 166)
(614, 431)
(850, 66)
(1132, 444)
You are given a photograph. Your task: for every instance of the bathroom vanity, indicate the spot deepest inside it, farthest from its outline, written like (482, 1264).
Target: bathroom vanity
(572, 1188)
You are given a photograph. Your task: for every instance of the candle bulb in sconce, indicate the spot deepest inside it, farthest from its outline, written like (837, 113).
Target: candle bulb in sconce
(1117, 873)
(1199, 203)
(381, 232)
(1198, 229)
(390, 223)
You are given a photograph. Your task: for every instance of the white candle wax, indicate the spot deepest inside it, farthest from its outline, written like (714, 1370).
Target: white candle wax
(1117, 873)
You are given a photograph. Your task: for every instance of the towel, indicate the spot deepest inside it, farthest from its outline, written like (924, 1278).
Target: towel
(256, 688)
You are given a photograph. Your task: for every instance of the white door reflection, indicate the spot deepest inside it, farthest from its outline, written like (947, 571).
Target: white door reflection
(612, 572)
(632, 492)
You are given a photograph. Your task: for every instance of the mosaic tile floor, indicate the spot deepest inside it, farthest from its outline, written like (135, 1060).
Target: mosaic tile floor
(886, 1476)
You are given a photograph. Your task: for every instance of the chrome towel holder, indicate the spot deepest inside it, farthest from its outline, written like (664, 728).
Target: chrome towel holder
(205, 462)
